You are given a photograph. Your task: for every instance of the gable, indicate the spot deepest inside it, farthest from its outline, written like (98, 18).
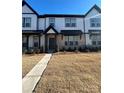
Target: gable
(51, 31)
(26, 9)
(93, 12)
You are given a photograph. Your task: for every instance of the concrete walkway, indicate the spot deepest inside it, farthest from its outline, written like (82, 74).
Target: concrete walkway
(31, 79)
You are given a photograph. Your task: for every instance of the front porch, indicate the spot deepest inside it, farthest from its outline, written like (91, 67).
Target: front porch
(51, 35)
(32, 40)
(51, 43)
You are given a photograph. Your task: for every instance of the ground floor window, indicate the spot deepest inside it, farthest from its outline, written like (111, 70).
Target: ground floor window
(96, 43)
(95, 36)
(71, 40)
(93, 42)
(76, 42)
(70, 43)
(99, 42)
(24, 41)
(36, 41)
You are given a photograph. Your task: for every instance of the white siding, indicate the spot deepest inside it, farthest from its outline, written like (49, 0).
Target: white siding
(33, 22)
(51, 31)
(41, 23)
(26, 9)
(60, 24)
(93, 14)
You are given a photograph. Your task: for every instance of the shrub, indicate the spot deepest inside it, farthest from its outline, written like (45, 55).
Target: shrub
(63, 49)
(30, 50)
(24, 50)
(36, 50)
(70, 49)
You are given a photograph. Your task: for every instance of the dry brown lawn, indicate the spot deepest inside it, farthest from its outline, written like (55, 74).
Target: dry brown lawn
(72, 73)
(29, 61)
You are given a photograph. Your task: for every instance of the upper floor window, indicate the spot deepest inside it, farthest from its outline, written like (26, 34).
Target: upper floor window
(70, 22)
(26, 22)
(52, 21)
(95, 22)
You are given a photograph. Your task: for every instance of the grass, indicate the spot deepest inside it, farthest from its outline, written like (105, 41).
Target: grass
(29, 61)
(72, 73)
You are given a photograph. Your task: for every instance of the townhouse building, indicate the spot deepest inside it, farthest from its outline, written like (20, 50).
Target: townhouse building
(54, 32)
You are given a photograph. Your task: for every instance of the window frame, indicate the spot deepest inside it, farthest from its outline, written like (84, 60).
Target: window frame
(36, 41)
(99, 42)
(52, 23)
(70, 22)
(72, 40)
(95, 22)
(26, 22)
(94, 42)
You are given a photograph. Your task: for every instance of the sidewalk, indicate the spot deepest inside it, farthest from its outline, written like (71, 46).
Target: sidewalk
(31, 79)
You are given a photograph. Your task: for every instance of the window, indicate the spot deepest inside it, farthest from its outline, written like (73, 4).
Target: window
(95, 22)
(26, 22)
(76, 39)
(93, 42)
(66, 43)
(36, 41)
(99, 42)
(95, 37)
(24, 41)
(35, 44)
(73, 22)
(70, 22)
(52, 21)
(71, 40)
(24, 44)
(66, 40)
(70, 43)
(76, 42)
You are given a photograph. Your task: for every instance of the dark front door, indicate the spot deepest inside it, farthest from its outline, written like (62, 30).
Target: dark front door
(52, 44)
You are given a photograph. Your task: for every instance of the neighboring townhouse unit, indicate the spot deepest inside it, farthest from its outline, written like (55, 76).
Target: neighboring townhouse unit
(54, 32)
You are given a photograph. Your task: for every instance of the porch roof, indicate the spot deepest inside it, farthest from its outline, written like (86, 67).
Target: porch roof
(71, 32)
(50, 27)
(32, 31)
(95, 31)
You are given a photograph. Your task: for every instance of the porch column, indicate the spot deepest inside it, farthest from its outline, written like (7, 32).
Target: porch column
(57, 41)
(39, 40)
(45, 43)
(42, 42)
